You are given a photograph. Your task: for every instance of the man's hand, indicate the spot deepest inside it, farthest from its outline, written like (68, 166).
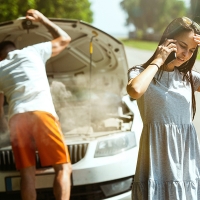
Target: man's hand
(34, 15)
(60, 38)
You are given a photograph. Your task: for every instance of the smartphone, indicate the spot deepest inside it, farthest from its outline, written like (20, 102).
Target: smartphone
(171, 57)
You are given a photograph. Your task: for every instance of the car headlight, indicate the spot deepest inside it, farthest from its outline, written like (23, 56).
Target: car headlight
(115, 145)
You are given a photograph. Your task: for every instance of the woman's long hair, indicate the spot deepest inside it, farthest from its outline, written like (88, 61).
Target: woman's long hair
(175, 28)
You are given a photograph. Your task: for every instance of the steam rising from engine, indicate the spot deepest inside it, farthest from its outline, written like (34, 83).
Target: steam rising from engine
(84, 106)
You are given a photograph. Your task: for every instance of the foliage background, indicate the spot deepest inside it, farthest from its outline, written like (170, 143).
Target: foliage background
(149, 17)
(73, 9)
(152, 15)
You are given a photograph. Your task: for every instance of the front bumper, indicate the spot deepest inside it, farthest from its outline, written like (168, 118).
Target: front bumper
(92, 178)
(117, 190)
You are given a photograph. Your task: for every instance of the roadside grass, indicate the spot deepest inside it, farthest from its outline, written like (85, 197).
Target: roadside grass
(145, 45)
(140, 44)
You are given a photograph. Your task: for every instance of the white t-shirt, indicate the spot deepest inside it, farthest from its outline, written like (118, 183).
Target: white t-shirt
(24, 82)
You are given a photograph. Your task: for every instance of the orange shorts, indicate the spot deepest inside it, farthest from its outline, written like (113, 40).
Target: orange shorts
(37, 131)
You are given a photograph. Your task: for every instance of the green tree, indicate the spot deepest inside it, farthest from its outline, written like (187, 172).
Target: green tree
(155, 14)
(71, 9)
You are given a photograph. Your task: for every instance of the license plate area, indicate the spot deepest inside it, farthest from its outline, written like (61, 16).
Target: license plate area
(12, 183)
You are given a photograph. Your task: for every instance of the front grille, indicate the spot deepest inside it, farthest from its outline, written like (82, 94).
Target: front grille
(7, 161)
(77, 152)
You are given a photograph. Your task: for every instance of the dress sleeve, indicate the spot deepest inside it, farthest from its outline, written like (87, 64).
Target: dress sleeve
(134, 71)
(196, 80)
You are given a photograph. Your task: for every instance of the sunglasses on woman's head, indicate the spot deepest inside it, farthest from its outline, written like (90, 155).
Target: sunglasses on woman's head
(184, 22)
(190, 23)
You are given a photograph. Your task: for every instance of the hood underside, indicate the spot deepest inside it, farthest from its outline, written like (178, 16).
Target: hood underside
(108, 53)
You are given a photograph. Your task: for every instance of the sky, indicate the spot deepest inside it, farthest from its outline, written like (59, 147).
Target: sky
(109, 17)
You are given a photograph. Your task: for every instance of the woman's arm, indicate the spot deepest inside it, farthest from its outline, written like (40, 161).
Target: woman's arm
(137, 86)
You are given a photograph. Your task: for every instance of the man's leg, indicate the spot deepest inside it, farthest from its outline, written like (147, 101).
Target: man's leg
(62, 181)
(28, 191)
(24, 152)
(53, 151)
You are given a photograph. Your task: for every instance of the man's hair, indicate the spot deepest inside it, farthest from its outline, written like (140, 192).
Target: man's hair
(4, 44)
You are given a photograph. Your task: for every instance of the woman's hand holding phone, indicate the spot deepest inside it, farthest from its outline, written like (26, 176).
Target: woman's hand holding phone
(171, 57)
(167, 51)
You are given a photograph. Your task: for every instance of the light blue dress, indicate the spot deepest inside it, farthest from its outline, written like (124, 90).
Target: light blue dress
(168, 166)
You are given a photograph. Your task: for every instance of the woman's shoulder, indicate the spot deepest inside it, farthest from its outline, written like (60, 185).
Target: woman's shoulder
(195, 73)
(196, 76)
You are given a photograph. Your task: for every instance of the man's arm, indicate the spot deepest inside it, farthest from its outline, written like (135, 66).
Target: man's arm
(61, 38)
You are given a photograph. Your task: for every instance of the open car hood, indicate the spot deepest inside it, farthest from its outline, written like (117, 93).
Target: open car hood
(87, 87)
(108, 53)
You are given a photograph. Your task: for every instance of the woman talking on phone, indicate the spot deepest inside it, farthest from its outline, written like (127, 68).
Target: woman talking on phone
(168, 166)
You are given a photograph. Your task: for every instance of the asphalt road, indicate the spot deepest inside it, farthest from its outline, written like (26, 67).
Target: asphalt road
(136, 56)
